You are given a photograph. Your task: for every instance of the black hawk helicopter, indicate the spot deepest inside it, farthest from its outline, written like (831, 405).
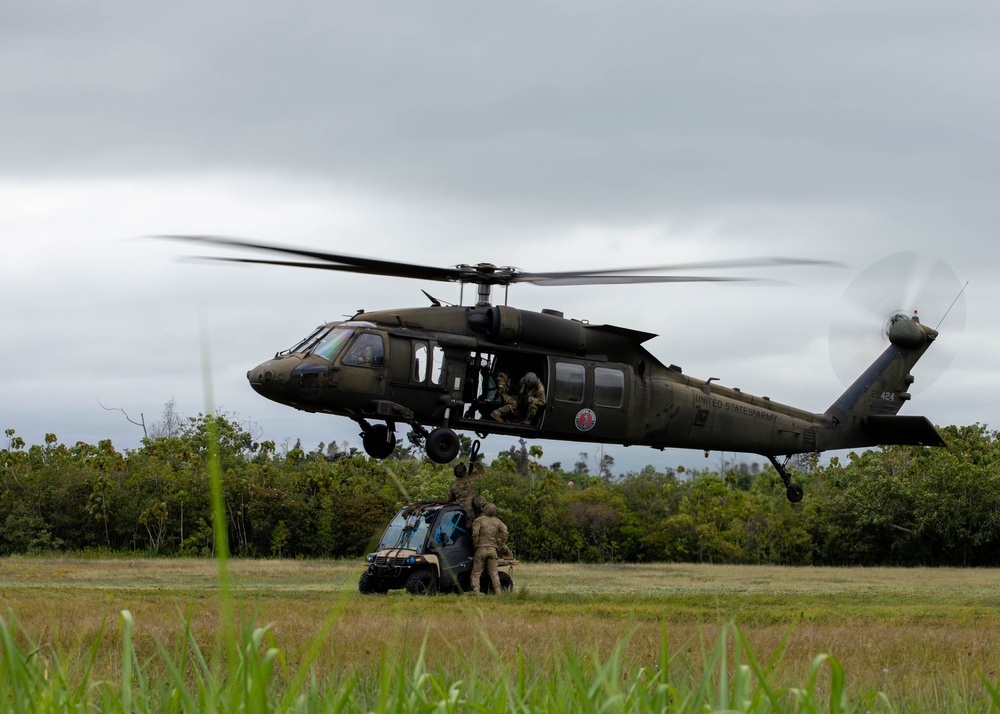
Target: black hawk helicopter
(445, 368)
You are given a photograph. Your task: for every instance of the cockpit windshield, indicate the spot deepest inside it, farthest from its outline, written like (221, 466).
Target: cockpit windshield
(333, 342)
(304, 345)
(407, 530)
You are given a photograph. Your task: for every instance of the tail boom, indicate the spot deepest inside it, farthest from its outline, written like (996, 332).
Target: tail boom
(866, 414)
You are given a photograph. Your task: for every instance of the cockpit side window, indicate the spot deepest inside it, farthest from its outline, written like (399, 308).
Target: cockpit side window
(367, 351)
(333, 342)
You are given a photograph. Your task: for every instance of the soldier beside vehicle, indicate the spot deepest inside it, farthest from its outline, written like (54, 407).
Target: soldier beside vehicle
(489, 535)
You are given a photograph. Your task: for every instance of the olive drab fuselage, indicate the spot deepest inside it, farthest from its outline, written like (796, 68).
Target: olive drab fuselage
(437, 367)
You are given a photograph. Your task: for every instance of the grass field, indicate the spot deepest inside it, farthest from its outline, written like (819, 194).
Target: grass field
(918, 635)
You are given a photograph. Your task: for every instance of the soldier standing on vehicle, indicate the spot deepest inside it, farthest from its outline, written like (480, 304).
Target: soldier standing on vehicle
(488, 534)
(478, 502)
(463, 488)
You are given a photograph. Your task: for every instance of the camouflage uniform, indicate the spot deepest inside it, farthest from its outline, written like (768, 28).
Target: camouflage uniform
(530, 396)
(509, 405)
(463, 488)
(488, 534)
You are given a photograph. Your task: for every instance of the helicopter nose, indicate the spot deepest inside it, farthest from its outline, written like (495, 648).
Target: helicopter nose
(289, 379)
(272, 379)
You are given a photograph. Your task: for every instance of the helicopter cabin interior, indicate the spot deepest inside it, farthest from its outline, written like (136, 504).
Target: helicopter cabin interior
(460, 386)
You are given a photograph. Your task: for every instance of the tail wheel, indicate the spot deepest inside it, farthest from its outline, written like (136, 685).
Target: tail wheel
(442, 445)
(422, 582)
(379, 442)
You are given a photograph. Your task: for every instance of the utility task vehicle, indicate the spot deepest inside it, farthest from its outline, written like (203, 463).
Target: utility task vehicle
(427, 547)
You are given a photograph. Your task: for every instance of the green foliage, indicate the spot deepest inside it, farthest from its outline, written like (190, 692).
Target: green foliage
(258, 676)
(894, 505)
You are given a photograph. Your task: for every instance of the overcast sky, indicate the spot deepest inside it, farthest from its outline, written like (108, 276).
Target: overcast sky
(546, 135)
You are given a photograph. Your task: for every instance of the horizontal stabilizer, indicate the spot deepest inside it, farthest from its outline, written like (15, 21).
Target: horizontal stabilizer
(902, 430)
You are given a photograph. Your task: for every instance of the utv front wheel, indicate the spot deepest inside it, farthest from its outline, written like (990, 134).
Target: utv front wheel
(370, 584)
(422, 582)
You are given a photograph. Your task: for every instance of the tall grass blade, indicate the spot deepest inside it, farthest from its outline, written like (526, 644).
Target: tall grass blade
(219, 527)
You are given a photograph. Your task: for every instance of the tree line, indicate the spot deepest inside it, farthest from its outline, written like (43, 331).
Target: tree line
(887, 506)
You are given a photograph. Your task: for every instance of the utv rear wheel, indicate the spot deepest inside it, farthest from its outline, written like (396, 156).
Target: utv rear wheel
(486, 585)
(422, 582)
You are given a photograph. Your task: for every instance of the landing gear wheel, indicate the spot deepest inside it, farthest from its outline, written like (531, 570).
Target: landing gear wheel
(793, 491)
(442, 445)
(422, 582)
(379, 442)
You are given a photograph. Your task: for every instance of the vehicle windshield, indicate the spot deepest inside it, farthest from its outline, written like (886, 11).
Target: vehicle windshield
(407, 530)
(333, 342)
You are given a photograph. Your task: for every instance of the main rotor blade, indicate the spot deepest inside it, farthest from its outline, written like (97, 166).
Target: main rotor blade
(316, 266)
(633, 279)
(338, 261)
(540, 278)
(485, 273)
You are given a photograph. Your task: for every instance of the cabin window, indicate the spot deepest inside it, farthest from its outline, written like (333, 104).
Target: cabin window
(437, 365)
(570, 381)
(366, 351)
(419, 362)
(609, 387)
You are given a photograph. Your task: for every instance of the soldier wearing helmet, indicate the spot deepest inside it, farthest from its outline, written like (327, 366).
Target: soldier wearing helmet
(509, 401)
(488, 534)
(463, 489)
(530, 398)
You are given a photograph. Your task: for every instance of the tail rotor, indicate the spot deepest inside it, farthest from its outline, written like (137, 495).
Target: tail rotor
(902, 285)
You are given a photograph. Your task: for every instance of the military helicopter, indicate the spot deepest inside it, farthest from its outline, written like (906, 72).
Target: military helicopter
(443, 368)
